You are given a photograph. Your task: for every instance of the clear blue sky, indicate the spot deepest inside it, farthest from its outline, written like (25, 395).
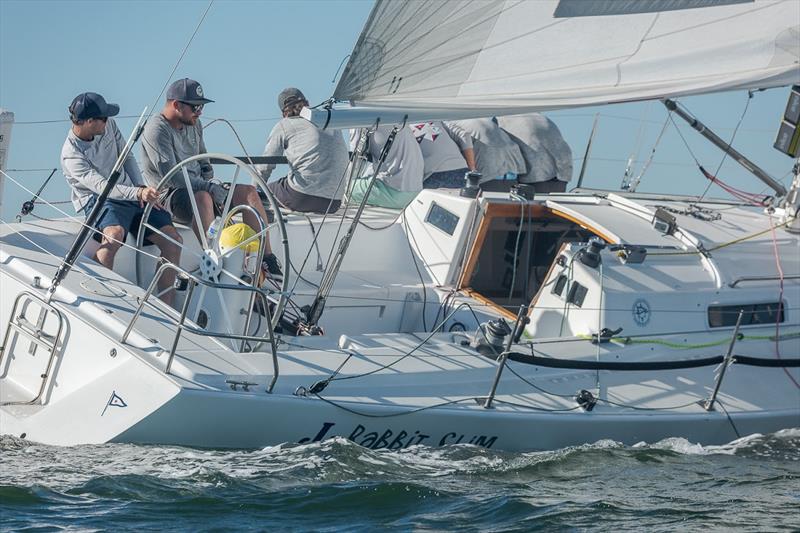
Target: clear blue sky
(246, 51)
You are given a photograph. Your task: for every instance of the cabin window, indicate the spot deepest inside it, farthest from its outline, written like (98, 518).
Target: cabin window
(720, 316)
(441, 218)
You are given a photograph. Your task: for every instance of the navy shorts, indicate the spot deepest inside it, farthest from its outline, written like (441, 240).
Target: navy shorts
(127, 214)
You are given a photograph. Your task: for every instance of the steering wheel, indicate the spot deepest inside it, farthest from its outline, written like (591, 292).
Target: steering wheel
(210, 259)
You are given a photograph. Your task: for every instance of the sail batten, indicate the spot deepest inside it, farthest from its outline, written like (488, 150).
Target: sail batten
(545, 54)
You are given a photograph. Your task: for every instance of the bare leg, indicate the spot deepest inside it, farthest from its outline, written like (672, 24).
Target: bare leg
(247, 194)
(205, 207)
(170, 252)
(113, 237)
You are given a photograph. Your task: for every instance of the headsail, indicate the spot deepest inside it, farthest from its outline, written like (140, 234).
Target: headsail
(523, 55)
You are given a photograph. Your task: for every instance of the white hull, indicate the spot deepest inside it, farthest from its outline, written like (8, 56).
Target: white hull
(103, 390)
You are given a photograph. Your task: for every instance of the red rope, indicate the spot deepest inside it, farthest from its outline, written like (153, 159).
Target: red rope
(743, 196)
(780, 301)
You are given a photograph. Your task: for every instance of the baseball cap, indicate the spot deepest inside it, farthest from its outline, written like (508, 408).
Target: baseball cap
(287, 95)
(187, 90)
(91, 105)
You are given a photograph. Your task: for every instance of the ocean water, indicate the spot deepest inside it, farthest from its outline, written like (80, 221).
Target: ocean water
(752, 484)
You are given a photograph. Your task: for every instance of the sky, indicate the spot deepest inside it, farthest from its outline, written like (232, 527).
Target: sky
(246, 51)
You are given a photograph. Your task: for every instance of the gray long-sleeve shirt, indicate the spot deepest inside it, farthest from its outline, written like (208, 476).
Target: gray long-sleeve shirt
(496, 153)
(441, 146)
(403, 167)
(317, 158)
(163, 147)
(87, 165)
(546, 153)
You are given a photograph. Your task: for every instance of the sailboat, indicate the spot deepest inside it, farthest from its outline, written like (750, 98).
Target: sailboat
(505, 320)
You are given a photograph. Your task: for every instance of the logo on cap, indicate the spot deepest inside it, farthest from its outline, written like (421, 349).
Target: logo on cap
(199, 90)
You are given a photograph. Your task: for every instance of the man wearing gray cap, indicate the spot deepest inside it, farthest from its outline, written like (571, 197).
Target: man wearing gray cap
(93, 145)
(317, 159)
(176, 134)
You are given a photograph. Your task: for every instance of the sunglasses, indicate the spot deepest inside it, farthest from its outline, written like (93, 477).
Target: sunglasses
(196, 108)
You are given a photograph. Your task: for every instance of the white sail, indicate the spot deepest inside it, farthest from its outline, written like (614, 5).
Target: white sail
(549, 54)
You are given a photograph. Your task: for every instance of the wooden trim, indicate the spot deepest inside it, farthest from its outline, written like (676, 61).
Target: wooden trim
(584, 225)
(535, 211)
(484, 300)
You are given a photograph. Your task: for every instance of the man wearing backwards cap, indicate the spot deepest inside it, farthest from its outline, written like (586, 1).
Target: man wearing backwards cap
(90, 151)
(176, 134)
(317, 159)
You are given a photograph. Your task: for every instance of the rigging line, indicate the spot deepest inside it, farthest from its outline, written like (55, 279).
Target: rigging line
(180, 58)
(780, 301)
(736, 431)
(599, 399)
(634, 119)
(39, 246)
(540, 409)
(77, 220)
(389, 415)
(317, 234)
(511, 369)
(236, 134)
(407, 354)
(650, 158)
(730, 143)
(637, 408)
(419, 273)
(103, 282)
(522, 204)
(686, 144)
(341, 64)
(387, 226)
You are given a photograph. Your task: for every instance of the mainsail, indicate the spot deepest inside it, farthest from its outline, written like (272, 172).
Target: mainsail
(548, 54)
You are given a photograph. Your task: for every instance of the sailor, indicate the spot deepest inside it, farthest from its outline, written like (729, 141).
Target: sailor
(176, 134)
(497, 156)
(447, 152)
(547, 155)
(399, 178)
(90, 151)
(317, 159)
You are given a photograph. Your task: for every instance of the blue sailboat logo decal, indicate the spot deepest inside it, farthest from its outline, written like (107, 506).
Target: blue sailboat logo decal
(114, 401)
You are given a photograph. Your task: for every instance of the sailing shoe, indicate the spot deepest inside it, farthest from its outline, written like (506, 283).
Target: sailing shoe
(272, 267)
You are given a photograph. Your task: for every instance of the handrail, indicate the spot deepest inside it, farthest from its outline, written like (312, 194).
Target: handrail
(35, 335)
(180, 323)
(761, 278)
(262, 245)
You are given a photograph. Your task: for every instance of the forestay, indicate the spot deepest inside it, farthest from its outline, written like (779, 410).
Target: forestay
(548, 54)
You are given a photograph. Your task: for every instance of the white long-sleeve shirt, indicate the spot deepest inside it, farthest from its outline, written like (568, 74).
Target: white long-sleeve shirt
(403, 167)
(87, 165)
